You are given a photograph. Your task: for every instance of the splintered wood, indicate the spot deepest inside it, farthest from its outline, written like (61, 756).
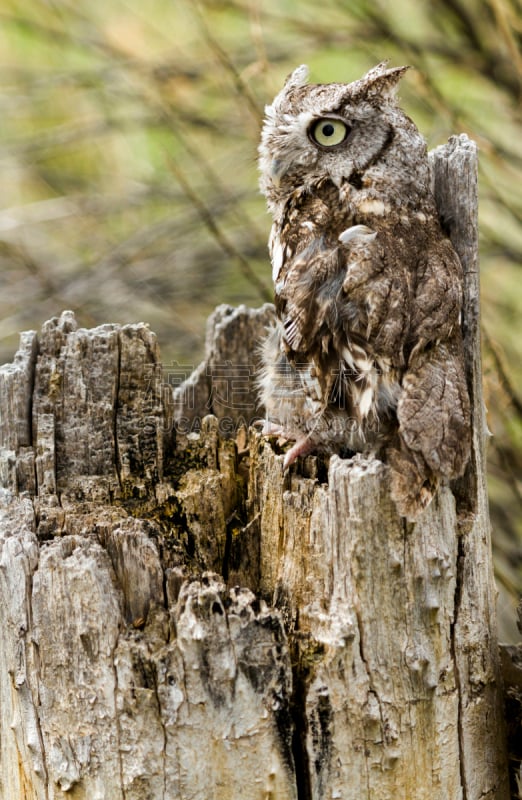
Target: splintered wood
(183, 620)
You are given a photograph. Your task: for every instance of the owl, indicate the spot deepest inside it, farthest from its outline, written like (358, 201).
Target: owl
(367, 353)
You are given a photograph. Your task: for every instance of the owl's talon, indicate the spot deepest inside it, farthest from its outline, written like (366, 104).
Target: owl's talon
(271, 429)
(301, 448)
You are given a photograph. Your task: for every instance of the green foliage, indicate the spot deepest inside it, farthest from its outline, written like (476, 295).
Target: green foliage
(128, 151)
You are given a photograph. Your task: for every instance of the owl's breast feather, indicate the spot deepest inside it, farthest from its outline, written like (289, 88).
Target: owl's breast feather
(276, 253)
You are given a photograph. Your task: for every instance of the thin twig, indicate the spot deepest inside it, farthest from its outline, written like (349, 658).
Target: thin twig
(224, 242)
(241, 86)
(505, 381)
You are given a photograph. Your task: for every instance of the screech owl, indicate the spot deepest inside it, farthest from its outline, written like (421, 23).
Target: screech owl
(367, 352)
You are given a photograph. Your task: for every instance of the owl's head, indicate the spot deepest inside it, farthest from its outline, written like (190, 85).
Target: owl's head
(355, 134)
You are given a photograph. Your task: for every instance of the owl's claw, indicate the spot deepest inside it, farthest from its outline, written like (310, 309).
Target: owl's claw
(301, 448)
(271, 429)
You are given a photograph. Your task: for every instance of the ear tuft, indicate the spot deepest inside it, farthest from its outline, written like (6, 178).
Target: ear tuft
(381, 81)
(297, 78)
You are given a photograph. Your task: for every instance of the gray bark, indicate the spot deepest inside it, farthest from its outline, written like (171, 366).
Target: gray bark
(182, 620)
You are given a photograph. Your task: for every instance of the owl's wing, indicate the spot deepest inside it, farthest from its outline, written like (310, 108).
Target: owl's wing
(377, 288)
(433, 440)
(323, 289)
(433, 409)
(437, 298)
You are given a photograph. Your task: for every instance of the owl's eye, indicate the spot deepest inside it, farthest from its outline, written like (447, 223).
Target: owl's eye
(329, 131)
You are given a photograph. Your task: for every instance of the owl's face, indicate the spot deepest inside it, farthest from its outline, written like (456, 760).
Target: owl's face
(350, 133)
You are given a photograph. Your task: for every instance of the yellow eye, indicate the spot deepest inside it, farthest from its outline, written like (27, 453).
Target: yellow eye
(329, 131)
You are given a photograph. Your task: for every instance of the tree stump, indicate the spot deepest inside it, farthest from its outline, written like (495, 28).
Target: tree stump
(183, 620)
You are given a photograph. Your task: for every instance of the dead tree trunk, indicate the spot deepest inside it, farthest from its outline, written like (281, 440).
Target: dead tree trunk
(181, 620)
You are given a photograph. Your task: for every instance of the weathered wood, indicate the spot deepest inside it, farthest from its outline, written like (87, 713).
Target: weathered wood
(475, 633)
(116, 672)
(183, 620)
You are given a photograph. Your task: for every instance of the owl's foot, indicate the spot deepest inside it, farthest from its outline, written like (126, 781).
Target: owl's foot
(301, 448)
(271, 429)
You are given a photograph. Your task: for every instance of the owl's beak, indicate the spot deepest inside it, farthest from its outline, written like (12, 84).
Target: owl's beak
(277, 170)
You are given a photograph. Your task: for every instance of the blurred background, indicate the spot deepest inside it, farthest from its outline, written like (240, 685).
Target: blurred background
(129, 193)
